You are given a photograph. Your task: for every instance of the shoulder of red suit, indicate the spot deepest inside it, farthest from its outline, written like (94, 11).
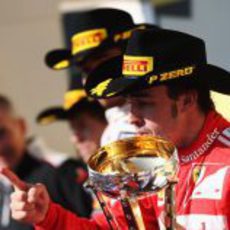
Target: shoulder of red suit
(224, 137)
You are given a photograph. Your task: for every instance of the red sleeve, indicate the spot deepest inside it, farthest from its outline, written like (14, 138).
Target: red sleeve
(59, 218)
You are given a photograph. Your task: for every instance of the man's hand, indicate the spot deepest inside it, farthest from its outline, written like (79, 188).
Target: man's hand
(29, 203)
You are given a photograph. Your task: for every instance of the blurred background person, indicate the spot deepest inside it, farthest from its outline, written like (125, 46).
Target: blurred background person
(16, 156)
(87, 122)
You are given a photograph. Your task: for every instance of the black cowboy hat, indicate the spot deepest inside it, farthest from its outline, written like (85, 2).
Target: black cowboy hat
(111, 68)
(158, 57)
(74, 96)
(95, 30)
(59, 113)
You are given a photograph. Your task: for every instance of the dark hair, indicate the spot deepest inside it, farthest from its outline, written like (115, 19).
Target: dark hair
(204, 101)
(86, 106)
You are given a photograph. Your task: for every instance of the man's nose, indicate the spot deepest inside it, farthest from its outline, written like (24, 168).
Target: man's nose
(135, 119)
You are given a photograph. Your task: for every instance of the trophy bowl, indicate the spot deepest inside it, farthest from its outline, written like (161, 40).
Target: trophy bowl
(133, 166)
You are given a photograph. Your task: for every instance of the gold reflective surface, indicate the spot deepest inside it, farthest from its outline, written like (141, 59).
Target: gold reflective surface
(129, 169)
(131, 155)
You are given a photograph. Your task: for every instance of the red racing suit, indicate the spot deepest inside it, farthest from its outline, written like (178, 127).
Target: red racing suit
(202, 193)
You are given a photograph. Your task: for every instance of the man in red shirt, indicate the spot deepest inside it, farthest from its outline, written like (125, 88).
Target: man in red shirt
(167, 82)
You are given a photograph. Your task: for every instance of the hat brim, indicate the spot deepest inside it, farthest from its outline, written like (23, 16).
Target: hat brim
(59, 113)
(51, 115)
(216, 78)
(60, 59)
(107, 70)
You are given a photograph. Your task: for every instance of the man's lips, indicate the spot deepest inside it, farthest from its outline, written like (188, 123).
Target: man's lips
(144, 133)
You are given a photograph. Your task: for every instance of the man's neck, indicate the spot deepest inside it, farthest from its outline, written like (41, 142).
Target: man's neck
(194, 123)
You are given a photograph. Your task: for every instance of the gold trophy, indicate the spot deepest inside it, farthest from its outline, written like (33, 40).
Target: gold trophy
(129, 169)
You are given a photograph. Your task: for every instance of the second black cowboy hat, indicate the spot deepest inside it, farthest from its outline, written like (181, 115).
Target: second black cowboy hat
(75, 100)
(154, 58)
(94, 30)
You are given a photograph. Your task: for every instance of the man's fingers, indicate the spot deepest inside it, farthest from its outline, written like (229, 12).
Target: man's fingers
(23, 215)
(18, 196)
(14, 179)
(19, 215)
(22, 206)
(35, 192)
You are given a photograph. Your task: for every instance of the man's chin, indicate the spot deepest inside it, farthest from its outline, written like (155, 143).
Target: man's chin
(145, 134)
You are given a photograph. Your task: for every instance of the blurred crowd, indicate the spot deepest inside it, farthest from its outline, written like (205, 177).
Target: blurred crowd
(105, 104)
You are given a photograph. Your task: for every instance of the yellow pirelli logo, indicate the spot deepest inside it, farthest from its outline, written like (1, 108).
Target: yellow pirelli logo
(171, 74)
(87, 40)
(137, 66)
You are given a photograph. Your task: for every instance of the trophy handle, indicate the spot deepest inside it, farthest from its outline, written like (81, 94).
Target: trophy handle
(170, 207)
(113, 225)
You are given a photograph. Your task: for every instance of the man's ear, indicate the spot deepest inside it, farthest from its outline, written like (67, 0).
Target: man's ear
(187, 100)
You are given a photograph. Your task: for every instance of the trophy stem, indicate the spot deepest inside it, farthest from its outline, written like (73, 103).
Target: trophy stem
(170, 207)
(105, 210)
(137, 213)
(113, 225)
(132, 213)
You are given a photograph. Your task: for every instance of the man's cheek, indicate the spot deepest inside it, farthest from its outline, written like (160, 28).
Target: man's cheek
(156, 129)
(87, 147)
(91, 146)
